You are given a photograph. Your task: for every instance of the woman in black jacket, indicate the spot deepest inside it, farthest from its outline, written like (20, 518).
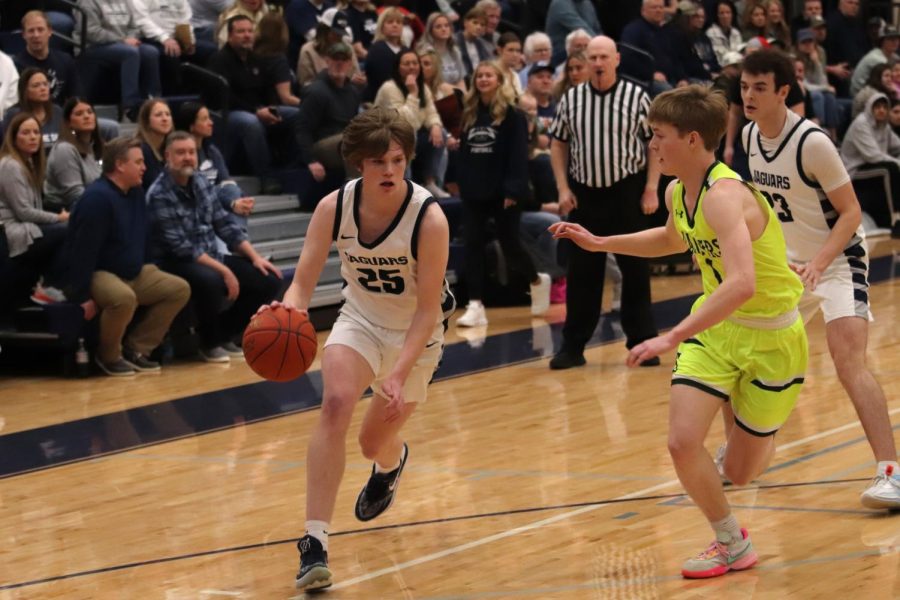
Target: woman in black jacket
(493, 180)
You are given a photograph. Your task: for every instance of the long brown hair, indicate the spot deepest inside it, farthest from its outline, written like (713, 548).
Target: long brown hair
(502, 101)
(95, 146)
(562, 86)
(36, 165)
(24, 103)
(271, 35)
(144, 133)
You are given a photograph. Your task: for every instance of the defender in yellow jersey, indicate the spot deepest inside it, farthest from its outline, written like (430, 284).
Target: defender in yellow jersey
(744, 340)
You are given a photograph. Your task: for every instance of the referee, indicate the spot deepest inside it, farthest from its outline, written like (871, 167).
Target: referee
(599, 156)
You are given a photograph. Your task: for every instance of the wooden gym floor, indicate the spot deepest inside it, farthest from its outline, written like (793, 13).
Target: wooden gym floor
(522, 482)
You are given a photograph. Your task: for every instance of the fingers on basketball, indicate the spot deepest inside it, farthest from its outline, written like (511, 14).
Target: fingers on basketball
(280, 344)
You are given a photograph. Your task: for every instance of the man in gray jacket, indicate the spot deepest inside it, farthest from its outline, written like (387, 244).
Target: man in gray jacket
(112, 41)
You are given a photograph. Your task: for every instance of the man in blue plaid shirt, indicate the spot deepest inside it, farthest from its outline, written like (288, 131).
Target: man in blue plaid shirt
(186, 216)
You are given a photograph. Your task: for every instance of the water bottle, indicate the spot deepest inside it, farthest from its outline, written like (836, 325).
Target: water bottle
(82, 362)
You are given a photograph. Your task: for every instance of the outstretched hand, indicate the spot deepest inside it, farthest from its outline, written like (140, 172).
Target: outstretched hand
(577, 233)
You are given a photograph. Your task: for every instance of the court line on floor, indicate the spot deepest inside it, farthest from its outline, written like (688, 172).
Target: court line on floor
(581, 508)
(543, 522)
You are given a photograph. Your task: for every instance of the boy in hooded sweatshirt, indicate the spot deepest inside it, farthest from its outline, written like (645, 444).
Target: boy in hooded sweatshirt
(870, 143)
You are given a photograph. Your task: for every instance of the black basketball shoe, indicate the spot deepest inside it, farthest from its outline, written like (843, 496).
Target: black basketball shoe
(379, 492)
(314, 573)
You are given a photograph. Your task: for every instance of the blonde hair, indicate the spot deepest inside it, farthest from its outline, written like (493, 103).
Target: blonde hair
(503, 99)
(438, 78)
(391, 13)
(693, 108)
(565, 83)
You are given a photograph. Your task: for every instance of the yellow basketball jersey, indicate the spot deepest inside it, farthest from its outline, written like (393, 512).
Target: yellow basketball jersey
(778, 289)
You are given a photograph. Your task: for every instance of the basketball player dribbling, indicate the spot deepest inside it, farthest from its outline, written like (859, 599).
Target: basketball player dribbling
(797, 167)
(393, 241)
(744, 342)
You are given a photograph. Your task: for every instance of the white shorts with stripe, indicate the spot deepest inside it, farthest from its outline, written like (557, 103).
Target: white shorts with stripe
(843, 289)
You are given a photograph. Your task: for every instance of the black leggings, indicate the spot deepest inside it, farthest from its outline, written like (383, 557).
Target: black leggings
(476, 214)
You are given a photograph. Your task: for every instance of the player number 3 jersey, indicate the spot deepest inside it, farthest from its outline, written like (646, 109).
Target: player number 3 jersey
(380, 278)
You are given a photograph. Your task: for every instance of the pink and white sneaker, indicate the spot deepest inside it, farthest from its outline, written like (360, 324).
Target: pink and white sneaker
(721, 556)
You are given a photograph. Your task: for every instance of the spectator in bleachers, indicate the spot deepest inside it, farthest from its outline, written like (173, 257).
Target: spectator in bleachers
(34, 98)
(536, 49)
(800, 76)
(154, 124)
(363, 20)
(540, 85)
(74, 161)
(112, 41)
(870, 144)
(839, 73)
(879, 82)
(35, 236)
(650, 33)
(383, 51)
(413, 26)
(510, 60)
(564, 16)
(166, 24)
(406, 91)
(205, 18)
(895, 79)
(59, 66)
(754, 20)
(493, 13)
(575, 71)
(493, 180)
(447, 98)
(576, 41)
(847, 41)
(329, 103)
(824, 103)
(109, 267)
(254, 10)
(185, 218)
(270, 47)
(776, 27)
(439, 35)
(724, 34)
(333, 27)
(471, 46)
(256, 119)
(886, 51)
(9, 83)
(194, 118)
(698, 58)
(302, 18)
(811, 8)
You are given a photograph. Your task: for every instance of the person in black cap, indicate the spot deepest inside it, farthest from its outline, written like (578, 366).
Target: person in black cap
(329, 103)
(540, 85)
(888, 42)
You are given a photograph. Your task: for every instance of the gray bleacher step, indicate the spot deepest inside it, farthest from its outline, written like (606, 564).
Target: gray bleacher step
(248, 183)
(326, 295)
(280, 249)
(331, 272)
(267, 204)
(278, 226)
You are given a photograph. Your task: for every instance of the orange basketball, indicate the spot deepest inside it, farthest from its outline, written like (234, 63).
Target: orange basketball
(280, 344)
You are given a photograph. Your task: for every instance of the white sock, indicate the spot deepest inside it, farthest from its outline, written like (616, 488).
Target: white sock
(319, 530)
(728, 526)
(380, 469)
(883, 465)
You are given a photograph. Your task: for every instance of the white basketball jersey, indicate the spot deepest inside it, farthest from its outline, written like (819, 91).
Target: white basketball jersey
(804, 210)
(380, 278)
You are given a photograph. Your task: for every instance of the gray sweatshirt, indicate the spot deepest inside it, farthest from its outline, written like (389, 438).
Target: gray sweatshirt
(108, 21)
(21, 208)
(67, 175)
(868, 142)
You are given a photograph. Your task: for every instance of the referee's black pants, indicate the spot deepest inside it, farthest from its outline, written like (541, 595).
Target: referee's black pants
(607, 211)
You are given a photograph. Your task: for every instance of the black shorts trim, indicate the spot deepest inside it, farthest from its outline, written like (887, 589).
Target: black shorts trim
(693, 341)
(700, 386)
(752, 432)
(777, 388)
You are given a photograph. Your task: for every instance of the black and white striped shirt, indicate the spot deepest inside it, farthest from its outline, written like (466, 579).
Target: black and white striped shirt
(606, 132)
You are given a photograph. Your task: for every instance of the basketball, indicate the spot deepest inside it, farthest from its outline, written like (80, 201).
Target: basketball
(279, 344)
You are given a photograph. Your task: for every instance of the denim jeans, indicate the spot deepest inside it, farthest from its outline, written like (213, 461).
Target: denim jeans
(825, 108)
(245, 130)
(138, 69)
(539, 242)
